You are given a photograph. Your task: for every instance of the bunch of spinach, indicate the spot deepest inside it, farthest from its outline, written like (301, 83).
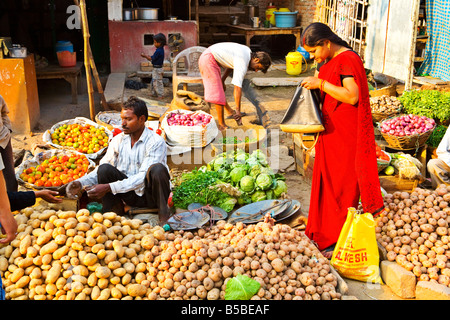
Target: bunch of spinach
(436, 136)
(433, 104)
(196, 186)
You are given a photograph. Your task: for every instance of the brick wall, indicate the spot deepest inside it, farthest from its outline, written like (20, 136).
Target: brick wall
(305, 8)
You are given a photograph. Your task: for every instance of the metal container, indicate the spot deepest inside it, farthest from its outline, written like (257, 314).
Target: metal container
(250, 12)
(127, 14)
(146, 13)
(234, 20)
(17, 51)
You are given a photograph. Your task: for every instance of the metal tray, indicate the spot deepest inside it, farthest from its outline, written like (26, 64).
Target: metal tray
(188, 220)
(294, 207)
(255, 212)
(215, 213)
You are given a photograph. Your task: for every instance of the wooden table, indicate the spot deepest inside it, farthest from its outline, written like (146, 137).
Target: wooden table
(249, 32)
(70, 74)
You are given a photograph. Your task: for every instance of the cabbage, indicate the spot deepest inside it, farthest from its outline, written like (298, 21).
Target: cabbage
(218, 163)
(280, 188)
(244, 198)
(255, 170)
(269, 194)
(227, 204)
(267, 170)
(258, 195)
(237, 174)
(241, 156)
(247, 183)
(263, 181)
(259, 156)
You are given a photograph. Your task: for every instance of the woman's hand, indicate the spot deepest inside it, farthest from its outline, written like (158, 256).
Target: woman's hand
(311, 83)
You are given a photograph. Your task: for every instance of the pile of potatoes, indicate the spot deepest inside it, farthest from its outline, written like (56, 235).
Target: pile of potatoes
(68, 255)
(415, 232)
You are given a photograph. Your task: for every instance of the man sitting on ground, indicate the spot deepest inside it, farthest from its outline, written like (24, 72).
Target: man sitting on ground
(134, 169)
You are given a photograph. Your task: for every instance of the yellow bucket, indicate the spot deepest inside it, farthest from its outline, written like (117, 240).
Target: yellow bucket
(284, 10)
(270, 15)
(294, 63)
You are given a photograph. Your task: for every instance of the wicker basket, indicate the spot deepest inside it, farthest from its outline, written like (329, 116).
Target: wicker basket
(383, 164)
(389, 88)
(380, 116)
(406, 142)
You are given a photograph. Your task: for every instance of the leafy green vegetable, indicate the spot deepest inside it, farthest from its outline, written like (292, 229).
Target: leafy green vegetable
(255, 170)
(237, 174)
(258, 195)
(430, 103)
(227, 204)
(263, 181)
(241, 287)
(436, 136)
(193, 183)
(247, 184)
(280, 188)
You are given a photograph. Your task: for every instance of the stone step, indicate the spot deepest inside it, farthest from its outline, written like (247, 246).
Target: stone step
(114, 90)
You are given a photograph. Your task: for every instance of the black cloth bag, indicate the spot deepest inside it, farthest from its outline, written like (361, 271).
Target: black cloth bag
(304, 113)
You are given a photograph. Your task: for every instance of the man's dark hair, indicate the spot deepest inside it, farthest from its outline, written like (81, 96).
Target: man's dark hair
(137, 105)
(161, 38)
(264, 59)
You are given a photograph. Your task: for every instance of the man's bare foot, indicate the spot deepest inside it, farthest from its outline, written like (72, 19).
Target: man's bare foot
(222, 127)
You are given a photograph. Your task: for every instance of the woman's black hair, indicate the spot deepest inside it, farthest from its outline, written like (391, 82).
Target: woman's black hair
(137, 105)
(316, 33)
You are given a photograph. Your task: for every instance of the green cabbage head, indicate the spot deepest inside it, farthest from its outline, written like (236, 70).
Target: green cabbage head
(247, 183)
(280, 188)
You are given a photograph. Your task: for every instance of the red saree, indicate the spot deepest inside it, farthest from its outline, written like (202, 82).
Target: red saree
(345, 166)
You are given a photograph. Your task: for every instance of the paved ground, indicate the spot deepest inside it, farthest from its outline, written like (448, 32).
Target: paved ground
(264, 105)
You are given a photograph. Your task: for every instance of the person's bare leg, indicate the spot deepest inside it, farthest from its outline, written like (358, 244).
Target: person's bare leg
(220, 117)
(233, 113)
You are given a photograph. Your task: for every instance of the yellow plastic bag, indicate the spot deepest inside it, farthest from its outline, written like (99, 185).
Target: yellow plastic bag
(356, 253)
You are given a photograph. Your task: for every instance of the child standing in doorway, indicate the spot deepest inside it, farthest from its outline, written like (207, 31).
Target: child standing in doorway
(157, 59)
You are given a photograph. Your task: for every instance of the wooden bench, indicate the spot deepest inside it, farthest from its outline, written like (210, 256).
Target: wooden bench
(70, 74)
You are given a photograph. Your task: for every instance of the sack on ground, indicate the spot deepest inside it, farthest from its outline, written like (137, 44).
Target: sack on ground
(356, 253)
(197, 136)
(189, 100)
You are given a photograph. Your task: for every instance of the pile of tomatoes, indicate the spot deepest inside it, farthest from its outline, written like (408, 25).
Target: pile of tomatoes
(57, 170)
(85, 138)
(381, 155)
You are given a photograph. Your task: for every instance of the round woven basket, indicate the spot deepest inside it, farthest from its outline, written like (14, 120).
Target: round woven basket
(380, 116)
(406, 142)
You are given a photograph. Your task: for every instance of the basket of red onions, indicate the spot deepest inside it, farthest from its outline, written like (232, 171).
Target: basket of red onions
(189, 128)
(406, 131)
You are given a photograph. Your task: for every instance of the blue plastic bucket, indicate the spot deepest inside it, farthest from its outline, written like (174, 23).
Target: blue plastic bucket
(64, 46)
(285, 19)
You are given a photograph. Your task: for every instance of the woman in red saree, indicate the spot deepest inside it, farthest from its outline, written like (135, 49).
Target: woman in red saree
(345, 167)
